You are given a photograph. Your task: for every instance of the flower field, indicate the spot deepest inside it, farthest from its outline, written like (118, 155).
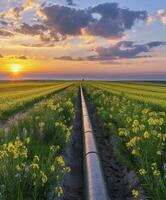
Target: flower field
(140, 130)
(31, 165)
(43, 144)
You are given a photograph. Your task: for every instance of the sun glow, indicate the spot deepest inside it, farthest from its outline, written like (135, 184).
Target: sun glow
(15, 68)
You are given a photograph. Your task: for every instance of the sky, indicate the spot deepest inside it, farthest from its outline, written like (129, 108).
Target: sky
(74, 39)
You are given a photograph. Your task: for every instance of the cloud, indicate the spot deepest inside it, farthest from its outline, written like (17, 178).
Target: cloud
(16, 12)
(125, 49)
(22, 57)
(65, 20)
(70, 2)
(5, 33)
(113, 23)
(162, 14)
(56, 22)
(27, 29)
(68, 58)
(121, 50)
(151, 19)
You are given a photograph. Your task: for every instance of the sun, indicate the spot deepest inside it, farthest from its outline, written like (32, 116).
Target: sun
(15, 68)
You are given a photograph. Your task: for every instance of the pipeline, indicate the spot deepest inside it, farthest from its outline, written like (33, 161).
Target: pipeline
(95, 183)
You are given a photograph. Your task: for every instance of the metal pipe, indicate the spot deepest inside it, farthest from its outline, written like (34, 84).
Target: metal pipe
(95, 183)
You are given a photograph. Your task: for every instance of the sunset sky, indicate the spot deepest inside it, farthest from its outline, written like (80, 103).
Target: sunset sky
(94, 39)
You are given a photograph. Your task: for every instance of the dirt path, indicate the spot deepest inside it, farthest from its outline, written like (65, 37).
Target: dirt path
(73, 182)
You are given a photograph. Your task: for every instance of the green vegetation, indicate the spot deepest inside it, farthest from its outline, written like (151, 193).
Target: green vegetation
(153, 94)
(14, 96)
(139, 130)
(31, 165)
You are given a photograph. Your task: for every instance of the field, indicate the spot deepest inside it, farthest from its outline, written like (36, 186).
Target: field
(136, 113)
(41, 150)
(16, 95)
(152, 93)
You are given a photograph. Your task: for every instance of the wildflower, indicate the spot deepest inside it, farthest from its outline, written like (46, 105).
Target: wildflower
(145, 111)
(158, 153)
(52, 168)
(18, 168)
(151, 121)
(2, 155)
(135, 152)
(122, 132)
(156, 172)
(142, 172)
(41, 124)
(34, 166)
(154, 165)
(52, 148)
(135, 193)
(27, 140)
(58, 191)
(146, 134)
(135, 123)
(43, 177)
(37, 117)
(60, 161)
(161, 121)
(36, 158)
(66, 170)
(133, 141)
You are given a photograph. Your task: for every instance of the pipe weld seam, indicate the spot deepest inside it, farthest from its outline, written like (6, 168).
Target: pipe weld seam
(91, 152)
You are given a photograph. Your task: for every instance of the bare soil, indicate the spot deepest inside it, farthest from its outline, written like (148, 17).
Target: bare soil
(73, 155)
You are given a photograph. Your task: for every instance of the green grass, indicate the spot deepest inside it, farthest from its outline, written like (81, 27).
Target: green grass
(153, 93)
(14, 96)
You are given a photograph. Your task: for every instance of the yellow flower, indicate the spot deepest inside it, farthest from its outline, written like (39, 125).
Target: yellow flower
(135, 152)
(52, 168)
(158, 152)
(135, 123)
(135, 193)
(60, 161)
(156, 172)
(2, 155)
(27, 140)
(41, 124)
(154, 165)
(122, 132)
(58, 191)
(142, 172)
(161, 121)
(133, 141)
(34, 166)
(43, 177)
(18, 168)
(36, 158)
(146, 134)
(151, 121)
